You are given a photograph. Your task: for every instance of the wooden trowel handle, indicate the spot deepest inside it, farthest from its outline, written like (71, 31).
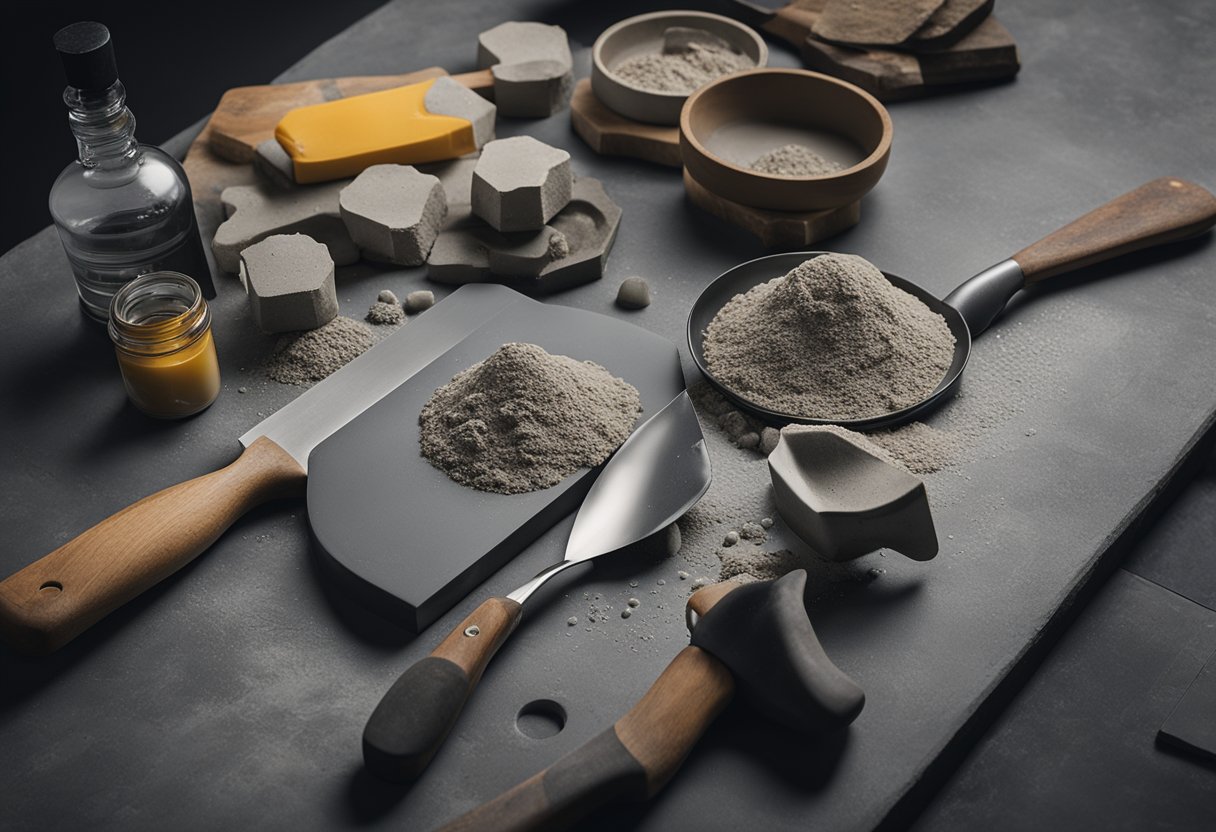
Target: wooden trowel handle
(1161, 211)
(631, 761)
(417, 713)
(51, 601)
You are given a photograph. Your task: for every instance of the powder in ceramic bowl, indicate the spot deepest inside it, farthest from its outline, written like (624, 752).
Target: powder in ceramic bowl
(313, 355)
(832, 339)
(682, 70)
(794, 160)
(523, 420)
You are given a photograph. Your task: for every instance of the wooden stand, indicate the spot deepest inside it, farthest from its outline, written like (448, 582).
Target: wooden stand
(776, 229)
(611, 134)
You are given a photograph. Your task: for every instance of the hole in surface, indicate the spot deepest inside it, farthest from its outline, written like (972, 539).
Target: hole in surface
(51, 586)
(541, 719)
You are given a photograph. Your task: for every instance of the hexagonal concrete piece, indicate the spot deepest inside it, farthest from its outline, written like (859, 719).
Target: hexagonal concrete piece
(290, 282)
(532, 67)
(519, 184)
(571, 250)
(256, 212)
(394, 213)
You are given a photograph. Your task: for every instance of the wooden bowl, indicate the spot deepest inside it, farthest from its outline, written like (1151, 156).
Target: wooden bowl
(642, 35)
(733, 120)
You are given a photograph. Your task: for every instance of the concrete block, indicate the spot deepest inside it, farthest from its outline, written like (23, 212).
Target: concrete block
(577, 242)
(532, 67)
(519, 184)
(393, 213)
(450, 98)
(290, 282)
(256, 212)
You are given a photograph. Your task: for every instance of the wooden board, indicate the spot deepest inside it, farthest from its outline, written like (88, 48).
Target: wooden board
(247, 116)
(988, 53)
(776, 229)
(611, 134)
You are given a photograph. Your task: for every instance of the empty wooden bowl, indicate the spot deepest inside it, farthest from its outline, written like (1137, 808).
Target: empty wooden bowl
(730, 122)
(642, 35)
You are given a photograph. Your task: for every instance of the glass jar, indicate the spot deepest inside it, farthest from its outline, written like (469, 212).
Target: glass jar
(161, 328)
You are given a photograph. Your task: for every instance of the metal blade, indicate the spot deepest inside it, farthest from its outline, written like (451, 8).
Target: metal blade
(657, 475)
(316, 413)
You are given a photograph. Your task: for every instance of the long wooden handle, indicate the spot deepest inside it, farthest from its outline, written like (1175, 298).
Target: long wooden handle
(1161, 211)
(54, 599)
(417, 713)
(630, 761)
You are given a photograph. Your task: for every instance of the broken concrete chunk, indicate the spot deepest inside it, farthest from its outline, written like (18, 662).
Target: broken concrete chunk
(450, 98)
(532, 67)
(256, 212)
(519, 184)
(290, 282)
(634, 293)
(394, 213)
(419, 301)
(274, 164)
(873, 23)
(587, 227)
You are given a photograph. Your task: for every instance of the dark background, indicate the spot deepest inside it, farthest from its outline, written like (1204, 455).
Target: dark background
(175, 60)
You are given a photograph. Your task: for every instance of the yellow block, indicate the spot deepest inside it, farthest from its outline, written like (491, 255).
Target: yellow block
(340, 138)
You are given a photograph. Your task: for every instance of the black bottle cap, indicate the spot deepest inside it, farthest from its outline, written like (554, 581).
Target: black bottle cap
(87, 54)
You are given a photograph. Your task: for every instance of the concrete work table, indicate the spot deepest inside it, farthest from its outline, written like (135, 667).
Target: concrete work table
(234, 693)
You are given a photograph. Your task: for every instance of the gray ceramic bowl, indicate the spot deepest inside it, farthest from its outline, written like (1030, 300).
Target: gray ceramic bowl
(643, 34)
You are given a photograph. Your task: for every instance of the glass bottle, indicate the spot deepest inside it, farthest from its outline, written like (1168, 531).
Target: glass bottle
(124, 208)
(161, 328)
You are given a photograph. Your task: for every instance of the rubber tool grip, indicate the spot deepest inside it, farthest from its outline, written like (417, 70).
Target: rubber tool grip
(629, 762)
(418, 712)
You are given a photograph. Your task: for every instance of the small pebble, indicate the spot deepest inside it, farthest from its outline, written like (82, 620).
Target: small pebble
(625, 613)
(731, 539)
(699, 582)
(683, 575)
(387, 296)
(661, 582)
(633, 602)
(633, 294)
(749, 440)
(766, 522)
(633, 583)
(242, 389)
(769, 437)
(572, 621)
(419, 301)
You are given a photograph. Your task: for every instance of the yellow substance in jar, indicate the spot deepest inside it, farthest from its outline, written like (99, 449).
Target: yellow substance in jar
(181, 383)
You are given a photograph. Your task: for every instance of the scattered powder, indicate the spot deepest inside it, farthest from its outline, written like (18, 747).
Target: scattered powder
(794, 160)
(383, 313)
(524, 420)
(920, 448)
(314, 355)
(832, 339)
(682, 70)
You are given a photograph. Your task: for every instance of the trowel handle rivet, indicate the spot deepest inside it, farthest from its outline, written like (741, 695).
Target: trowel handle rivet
(472, 630)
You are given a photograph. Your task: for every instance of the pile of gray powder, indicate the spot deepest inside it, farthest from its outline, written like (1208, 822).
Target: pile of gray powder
(523, 420)
(832, 339)
(794, 160)
(681, 69)
(314, 355)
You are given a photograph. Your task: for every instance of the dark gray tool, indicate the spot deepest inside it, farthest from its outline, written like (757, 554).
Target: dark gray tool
(756, 636)
(656, 475)
(1162, 211)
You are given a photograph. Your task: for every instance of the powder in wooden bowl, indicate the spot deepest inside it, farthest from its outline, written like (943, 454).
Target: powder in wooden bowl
(682, 69)
(832, 339)
(523, 420)
(794, 160)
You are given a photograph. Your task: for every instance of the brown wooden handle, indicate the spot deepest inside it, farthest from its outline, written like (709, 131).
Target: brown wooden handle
(630, 761)
(1161, 211)
(417, 713)
(480, 81)
(51, 601)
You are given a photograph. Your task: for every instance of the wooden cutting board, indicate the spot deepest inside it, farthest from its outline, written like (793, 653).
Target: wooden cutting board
(988, 53)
